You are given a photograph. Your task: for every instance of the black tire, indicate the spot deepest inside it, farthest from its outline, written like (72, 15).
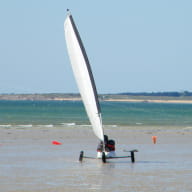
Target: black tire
(81, 156)
(103, 157)
(132, 157)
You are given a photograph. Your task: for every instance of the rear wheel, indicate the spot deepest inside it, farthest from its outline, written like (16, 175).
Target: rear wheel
(132, 157)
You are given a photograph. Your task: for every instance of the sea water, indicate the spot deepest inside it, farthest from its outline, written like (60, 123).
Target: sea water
(52, 113)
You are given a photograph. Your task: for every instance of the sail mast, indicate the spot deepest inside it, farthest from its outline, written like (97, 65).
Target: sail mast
(83, 75)
(87, 63)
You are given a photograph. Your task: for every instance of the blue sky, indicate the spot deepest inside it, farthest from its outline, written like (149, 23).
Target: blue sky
(132, 46)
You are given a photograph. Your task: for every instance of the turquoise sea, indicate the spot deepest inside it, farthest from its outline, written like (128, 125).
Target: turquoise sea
(52, 113)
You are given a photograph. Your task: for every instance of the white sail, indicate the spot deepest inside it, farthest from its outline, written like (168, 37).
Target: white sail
(83, 75)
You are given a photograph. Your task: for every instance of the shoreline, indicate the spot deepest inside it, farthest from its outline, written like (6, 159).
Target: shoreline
(109, 100)
(105, 98)
(132, 100)
(151, 101)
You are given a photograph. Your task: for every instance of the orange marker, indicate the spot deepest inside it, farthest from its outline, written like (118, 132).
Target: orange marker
(154, 139)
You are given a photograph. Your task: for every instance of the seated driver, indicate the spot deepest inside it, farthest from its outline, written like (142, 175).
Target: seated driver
(109, 145)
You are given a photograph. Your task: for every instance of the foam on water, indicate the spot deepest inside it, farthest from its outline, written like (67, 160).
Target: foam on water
(68, 124)
(48, 126)
(25, 126)
(5, 126)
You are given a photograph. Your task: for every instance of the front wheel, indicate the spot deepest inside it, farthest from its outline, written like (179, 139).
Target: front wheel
(103, 157)
(81, 156)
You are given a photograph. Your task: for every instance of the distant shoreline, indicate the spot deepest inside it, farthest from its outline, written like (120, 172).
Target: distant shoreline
(131, 100)
(151, 101)
(103, 97)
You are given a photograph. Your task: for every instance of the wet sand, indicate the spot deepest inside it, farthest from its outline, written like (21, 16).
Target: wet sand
(29, 162)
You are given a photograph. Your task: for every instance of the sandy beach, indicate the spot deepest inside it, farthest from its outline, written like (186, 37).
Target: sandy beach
(29, 162)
